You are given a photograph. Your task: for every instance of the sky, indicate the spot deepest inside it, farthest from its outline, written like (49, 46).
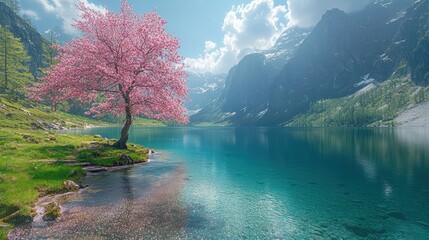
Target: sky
(214, 34)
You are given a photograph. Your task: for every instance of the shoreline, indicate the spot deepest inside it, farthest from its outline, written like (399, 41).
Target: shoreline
(58, 199)
(39, 153)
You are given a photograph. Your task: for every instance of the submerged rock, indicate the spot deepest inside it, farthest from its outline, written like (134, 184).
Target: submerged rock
(71, 186)
(397, 215)
(362, 231)
(52, 212)
(423, 224)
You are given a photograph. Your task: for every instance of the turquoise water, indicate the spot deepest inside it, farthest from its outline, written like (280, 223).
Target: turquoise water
(258, 183)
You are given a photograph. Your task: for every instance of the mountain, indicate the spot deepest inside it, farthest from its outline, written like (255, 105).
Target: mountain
(248, 83)
(31, 39)
(409, 50)
(336, 60)
(203, 90)
(343, 54)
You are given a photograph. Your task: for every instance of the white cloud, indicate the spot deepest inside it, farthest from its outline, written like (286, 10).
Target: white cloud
(248, 28)
(30, 13)
(67, 11)
(209, 45)
(306, 13)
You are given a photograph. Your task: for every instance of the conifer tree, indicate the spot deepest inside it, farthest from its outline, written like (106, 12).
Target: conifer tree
(14, 71)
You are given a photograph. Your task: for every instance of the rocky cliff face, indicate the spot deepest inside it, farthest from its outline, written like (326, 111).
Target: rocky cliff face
(247, 85)
(409, 50)
(336, 60)
(204, 89)
(31, 39)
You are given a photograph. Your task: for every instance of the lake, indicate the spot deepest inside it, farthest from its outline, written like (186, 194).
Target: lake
(258, 183)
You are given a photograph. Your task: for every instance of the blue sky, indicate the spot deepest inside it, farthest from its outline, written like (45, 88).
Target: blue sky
(214, 34)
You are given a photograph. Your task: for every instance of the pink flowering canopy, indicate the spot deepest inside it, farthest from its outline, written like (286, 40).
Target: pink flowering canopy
(123, 61)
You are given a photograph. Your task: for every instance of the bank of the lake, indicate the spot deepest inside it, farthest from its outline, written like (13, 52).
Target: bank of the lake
(35, 163)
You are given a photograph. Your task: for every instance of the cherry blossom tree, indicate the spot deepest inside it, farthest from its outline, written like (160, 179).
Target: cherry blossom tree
(123, 64)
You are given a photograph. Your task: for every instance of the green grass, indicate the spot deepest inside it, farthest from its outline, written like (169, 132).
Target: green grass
(29, 167)
(376, 107)
(28, 157)
(103, 154)
(22, 114)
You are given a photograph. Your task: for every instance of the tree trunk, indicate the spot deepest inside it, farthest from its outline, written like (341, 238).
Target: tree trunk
(122, 142)
(53, 107)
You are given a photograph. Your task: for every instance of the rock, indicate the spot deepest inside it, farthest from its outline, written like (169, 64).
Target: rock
(71, 186)
(30, 138)
(397, 215)
(45, 125)
(423, 224)
(36, 125)
(95, 169)
(98, 136)
(124, 159)
(52, 212)
(363, 231)
(27, 112)
(73, 173)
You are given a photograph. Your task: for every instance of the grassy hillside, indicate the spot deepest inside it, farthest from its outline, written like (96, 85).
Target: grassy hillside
(376, 106)
(18, 113)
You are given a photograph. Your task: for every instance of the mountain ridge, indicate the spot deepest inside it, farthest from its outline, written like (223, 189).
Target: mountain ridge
(340, 56)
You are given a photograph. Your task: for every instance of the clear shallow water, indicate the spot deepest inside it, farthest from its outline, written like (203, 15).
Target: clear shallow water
(258, 183)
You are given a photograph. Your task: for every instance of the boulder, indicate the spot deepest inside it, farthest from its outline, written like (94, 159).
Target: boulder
(363, 231)
(98, 136)
(397, 215)
(52, 212)
(71, 186)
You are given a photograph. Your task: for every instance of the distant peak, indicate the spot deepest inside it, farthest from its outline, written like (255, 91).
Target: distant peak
(333, 16)
(334, 12)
